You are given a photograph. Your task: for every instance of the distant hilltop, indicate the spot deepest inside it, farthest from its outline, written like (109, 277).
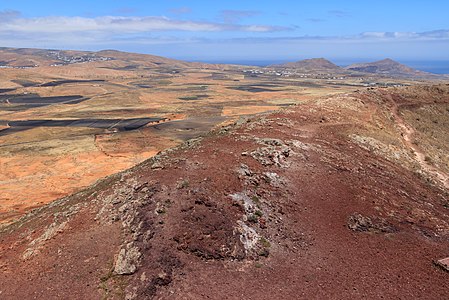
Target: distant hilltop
(24, 58)
(308, 65)
(387, 67)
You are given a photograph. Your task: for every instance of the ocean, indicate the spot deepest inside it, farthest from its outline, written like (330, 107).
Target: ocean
(436, 67)
(431, 66)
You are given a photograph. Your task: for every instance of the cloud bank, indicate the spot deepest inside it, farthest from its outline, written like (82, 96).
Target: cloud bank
(157, 34)
(11, 22)
(108, 27)
(427, 35)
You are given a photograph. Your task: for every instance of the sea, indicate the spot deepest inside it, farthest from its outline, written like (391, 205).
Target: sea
(431, 66)
(436, 67)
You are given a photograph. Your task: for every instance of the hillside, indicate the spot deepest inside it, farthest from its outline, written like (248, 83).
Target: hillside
(73, 117)
(28, 58)
(309, 65)
(342, 197)
(387, 67)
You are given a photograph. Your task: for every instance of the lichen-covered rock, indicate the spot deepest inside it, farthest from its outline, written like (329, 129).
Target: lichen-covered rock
(127, 260)
(360, 223)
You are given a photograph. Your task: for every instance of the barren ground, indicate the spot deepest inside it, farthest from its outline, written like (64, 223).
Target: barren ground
(42, 164)
(325, 200)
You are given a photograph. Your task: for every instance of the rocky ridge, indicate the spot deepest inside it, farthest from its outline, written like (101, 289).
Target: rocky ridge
(295, 204)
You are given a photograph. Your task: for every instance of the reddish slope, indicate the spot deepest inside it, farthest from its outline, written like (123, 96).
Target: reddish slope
(284, 207)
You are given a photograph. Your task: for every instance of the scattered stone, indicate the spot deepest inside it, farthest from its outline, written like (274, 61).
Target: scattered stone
(300, 145)
(182, 184)
(270, 142)
(443, 264)
(248, 236)
(49, 232)
(157, 165)
(357, 222)
(360, 223)
(272, 155)
(264, 252)
(244, 170)
(127, 260)
(192, 142)
(250, 177)
(160, 208)
(248, 204)
(273, 178)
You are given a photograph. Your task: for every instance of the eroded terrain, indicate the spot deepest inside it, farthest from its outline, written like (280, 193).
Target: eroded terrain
(328, 200)
(68, 118)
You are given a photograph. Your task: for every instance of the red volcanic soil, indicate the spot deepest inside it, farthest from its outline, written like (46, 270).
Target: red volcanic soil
(285, 206)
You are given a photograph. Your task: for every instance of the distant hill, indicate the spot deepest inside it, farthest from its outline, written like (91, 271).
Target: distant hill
(28, 58)
(309, 65)
(387, 67)
(146, 59)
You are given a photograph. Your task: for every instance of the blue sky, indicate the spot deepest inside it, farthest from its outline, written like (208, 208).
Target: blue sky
(234, 30)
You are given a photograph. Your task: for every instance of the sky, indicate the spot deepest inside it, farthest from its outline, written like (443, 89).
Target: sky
(234, 31)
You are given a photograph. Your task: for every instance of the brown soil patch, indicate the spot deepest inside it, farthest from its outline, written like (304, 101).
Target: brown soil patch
(248, 110)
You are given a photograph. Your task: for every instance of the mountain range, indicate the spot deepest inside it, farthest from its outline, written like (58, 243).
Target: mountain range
(385, 67)
(29, 58)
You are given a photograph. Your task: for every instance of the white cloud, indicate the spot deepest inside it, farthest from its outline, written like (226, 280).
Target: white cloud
(112, 24)
(374, 36)
(8, 14)
(85, 32)
(427, 35)
(113, 31)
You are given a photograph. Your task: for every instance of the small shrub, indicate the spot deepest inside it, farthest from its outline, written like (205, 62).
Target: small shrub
(253, 219)
(264, 242)
(256, 200)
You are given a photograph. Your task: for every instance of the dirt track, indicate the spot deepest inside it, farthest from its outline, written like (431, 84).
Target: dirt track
(286, 206)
